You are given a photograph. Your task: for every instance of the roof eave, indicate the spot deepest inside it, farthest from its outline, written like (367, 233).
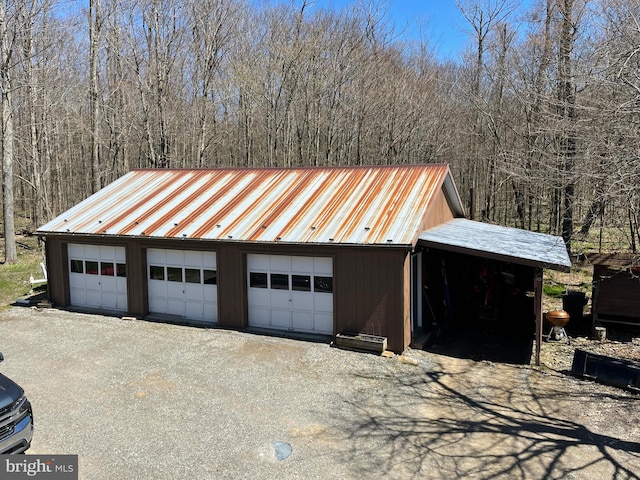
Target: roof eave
(451, 192)
(80, 235)
(495, 256)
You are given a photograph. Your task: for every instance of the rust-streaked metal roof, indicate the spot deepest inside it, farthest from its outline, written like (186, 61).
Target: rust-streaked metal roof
(341, 205)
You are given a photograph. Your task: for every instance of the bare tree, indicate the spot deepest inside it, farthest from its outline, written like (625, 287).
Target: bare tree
(542, 43)
(483, 16)
(7, 50)
(567, 111)
(95, 28)
(212, 27)
(222, 82)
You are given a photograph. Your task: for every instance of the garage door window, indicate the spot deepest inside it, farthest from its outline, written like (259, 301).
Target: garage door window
(156, 272)
(91, 268)
(174, 274)
(258, 280)
(210, 277)
(77, 266)
(106, 269)
(323, 284)
(191, 275)
(121, 270)
(279, 281)
(301, 283)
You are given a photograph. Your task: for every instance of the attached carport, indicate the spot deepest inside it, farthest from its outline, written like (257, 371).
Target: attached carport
(478, 272)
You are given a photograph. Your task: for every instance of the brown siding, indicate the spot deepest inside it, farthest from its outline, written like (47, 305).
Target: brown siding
(137, 285)
(232, 298)
(371, 284)
(439, 212)
(371, 293)
(58, 278)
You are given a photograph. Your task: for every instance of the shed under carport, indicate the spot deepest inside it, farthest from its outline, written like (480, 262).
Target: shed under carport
(473, 274)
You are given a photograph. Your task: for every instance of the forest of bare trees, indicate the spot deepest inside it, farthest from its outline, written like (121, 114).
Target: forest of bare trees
(539, 118)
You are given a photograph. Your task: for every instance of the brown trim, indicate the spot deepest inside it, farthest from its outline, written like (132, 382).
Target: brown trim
(407, 302)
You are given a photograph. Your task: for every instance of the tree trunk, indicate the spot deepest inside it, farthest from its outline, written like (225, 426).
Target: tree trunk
(32, 99)
(94, 39)
(568, 108)
(596, 209)
(10, 253)
(535, 121)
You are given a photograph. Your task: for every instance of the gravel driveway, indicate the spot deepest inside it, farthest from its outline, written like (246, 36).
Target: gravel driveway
(143, 400)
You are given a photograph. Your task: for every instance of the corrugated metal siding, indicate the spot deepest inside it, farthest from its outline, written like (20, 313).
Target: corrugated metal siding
(341, 205)
(369, 293)
(440, 212)
(57, 272)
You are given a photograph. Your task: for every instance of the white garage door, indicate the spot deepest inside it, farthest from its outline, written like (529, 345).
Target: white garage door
(290, 293)
(98, 276)
(183, 283)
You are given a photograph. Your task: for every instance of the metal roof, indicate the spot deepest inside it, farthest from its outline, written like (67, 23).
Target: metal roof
(500, 243)
(342, 205)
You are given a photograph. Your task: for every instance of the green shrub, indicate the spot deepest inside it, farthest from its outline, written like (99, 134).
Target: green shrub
(555, 290)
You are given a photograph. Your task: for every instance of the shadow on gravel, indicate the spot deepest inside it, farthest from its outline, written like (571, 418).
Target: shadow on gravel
(495, 429)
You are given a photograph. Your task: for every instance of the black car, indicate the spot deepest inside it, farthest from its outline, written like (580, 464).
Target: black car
(16, 418)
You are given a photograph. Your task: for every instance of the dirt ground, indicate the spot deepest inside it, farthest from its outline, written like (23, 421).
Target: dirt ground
(622, 344)
(137, 399)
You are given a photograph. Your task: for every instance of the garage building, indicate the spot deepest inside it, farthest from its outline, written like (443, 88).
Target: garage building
(310, 250)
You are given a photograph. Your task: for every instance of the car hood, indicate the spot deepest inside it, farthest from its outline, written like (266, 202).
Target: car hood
(9, 391)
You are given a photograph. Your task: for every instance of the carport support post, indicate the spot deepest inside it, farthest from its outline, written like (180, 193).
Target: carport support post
(537, 289)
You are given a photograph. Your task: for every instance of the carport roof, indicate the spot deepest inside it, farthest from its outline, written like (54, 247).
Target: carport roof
(499, 243)
(366, 205)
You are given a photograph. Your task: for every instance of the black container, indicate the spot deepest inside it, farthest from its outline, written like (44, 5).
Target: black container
(573, 303)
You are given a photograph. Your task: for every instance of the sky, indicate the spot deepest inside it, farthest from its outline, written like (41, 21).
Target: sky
(438, 21)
